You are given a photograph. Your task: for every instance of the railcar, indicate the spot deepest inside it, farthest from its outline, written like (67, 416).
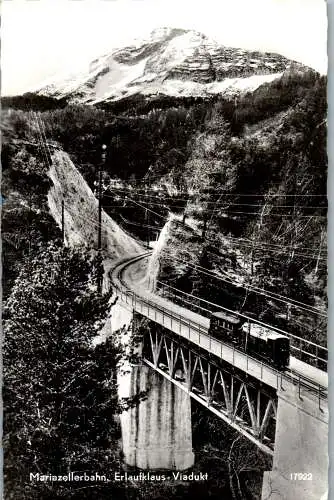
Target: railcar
(226, 327)
(259, 341)
(267, 344)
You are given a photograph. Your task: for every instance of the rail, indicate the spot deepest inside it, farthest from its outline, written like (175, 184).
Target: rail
(306, 350)
(204, 340)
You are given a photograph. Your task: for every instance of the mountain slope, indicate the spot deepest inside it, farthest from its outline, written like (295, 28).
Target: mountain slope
(171, 62)
(81, 211)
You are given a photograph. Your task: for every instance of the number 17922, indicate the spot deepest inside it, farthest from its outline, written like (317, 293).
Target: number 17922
(301, 476)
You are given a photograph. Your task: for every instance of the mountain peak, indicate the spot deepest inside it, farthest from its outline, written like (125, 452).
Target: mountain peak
(165, 32)
(170, 61)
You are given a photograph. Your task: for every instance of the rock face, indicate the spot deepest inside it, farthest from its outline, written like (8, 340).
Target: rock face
(69, 185)
(173, 62)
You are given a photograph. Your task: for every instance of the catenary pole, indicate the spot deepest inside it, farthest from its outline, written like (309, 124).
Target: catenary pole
(99, 226)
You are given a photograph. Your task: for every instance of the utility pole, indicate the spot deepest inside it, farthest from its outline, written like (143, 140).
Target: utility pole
(294, 224)
(252, 258)
(63, 221)
(99, 234)
(204, 225)
(30, 230)
(146, 219)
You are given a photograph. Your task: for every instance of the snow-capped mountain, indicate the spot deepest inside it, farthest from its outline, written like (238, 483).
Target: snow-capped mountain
(173, 62)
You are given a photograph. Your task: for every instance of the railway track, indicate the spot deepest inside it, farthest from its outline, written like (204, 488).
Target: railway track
(305, 376)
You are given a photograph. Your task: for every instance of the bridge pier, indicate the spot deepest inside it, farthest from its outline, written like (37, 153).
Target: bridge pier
(300, 464)
(157, 432)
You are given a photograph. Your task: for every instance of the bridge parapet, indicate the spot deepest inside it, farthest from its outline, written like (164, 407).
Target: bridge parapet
(300, 458)
(195, 330)
(303, 349)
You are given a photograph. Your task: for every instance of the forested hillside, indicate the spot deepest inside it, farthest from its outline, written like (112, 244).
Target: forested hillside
(247, 176)
(239, 186)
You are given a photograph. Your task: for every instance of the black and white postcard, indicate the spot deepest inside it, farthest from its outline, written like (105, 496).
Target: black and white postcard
(164, 249)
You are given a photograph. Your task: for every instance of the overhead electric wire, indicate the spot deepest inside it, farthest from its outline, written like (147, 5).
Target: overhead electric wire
(145, 208)
(93, 223)
(41, 141)
(266, 293)
(250, 213)
(277, 215)
(271, 295)
(230, 281)
(207, 272)
(44, 140)
(260, 246)
(249, 242)
(244, 244)
(155, 192)
(209, 191)
(140, 225)
(189, 200)
(241, 212)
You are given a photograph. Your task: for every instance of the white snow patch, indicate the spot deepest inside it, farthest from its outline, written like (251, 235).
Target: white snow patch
(108, 79)
(188, 88)
(153, 264)
(118, 78)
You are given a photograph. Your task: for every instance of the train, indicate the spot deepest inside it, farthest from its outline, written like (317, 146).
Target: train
(256, 340)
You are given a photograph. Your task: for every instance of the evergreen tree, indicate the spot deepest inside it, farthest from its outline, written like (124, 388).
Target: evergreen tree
(60, 394)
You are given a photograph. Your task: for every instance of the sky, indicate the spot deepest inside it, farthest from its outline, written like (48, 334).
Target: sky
(42, 38)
